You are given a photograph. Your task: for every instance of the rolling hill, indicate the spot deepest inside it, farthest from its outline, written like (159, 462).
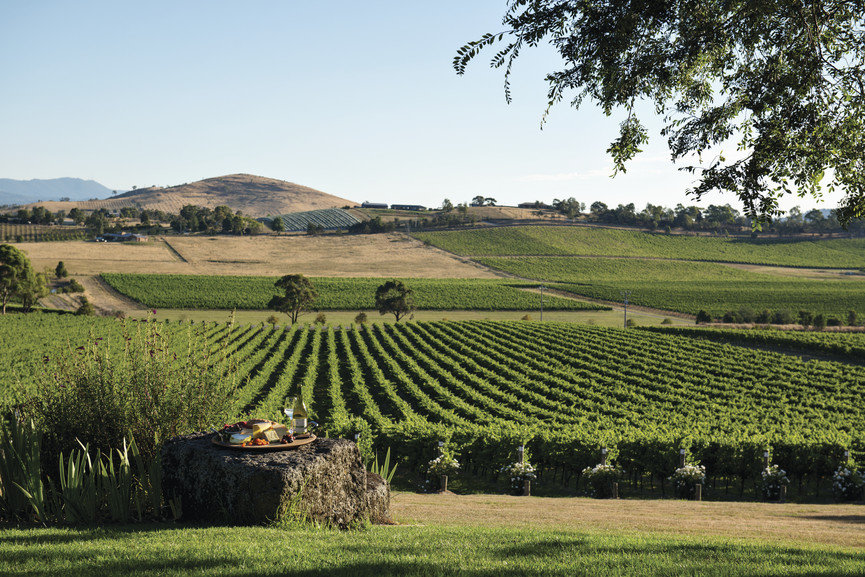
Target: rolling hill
(254, 195)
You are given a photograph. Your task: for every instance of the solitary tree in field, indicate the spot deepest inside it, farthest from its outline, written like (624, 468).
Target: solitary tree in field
(17, 278)
(447, 205)
(277, 225)
(760, 99)
(393, 297)
(60, 271)
(300, 294)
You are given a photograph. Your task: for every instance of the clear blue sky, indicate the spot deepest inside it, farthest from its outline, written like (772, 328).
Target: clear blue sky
(357, 99)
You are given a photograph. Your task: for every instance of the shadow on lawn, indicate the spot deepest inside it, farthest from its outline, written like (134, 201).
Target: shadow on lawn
(507, 555)
(853, 519)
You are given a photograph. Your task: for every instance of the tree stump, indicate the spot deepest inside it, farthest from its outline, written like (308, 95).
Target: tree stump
(324, 480)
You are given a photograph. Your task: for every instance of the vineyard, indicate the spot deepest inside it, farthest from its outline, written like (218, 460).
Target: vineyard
(688, 286)
(39, 233)
(486, 387)
(253, 293)
(327, 219)
(594, 241)
(850, 346)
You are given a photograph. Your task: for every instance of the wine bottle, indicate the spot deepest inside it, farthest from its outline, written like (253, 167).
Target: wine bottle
(300, 416)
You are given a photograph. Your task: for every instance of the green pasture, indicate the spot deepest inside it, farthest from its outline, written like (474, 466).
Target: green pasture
(597, 241)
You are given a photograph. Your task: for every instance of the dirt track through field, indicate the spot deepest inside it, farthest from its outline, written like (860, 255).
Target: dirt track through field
(104, 298)
(842, 525)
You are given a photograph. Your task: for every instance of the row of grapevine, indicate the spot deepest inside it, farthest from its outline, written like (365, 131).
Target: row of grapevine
(688, 287)
(39, 233)
(850, 345)
(327, 219)
(598, 241)
(254, 293)
(486, 387)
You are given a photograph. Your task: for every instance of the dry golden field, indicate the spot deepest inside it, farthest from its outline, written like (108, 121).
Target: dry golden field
(839, 525)
(378, 255)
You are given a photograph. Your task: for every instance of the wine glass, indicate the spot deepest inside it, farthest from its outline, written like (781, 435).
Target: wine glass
(289, 412)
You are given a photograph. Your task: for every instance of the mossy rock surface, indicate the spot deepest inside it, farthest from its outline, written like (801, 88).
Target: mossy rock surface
(222, 485)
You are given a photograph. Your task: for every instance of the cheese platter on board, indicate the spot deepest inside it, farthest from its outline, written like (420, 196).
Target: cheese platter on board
(260, 435)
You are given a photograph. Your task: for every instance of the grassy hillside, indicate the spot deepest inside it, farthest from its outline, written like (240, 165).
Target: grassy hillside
(248, 292)
(687, 286)
(593, 241)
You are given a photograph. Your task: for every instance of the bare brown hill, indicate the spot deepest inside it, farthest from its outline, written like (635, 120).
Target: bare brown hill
(254, 195)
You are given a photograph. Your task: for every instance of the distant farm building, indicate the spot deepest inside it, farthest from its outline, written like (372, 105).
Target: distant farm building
(535, 204)
(124, 237)
(407, 207)
(373, 205)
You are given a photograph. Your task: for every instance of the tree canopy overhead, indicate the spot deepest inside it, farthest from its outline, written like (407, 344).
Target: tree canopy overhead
(777, 85)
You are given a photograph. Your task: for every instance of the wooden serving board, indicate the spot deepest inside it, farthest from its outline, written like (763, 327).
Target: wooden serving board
(298, 442)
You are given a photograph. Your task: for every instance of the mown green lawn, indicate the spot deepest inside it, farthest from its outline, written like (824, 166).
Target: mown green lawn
(404, 550)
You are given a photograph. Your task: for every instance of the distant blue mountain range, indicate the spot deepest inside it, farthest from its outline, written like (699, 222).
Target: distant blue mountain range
(26, 191)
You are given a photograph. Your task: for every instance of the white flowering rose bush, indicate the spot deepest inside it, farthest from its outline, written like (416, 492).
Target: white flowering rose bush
(772, 479)
(518, 473)
(599, 480)
(444, 464)
(847, 484)
(686, 478)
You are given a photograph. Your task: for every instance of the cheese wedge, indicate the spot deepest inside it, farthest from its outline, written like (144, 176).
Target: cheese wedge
(239, 438)
(258, 429)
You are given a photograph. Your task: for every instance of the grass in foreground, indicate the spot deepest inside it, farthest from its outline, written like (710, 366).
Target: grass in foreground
(404, 550)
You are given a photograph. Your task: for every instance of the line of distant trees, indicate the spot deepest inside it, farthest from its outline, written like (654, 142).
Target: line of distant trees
(191, 218)
(806, 319)
(715, 218)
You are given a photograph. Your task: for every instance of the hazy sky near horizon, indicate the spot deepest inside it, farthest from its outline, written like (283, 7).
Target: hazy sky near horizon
(356, 99)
